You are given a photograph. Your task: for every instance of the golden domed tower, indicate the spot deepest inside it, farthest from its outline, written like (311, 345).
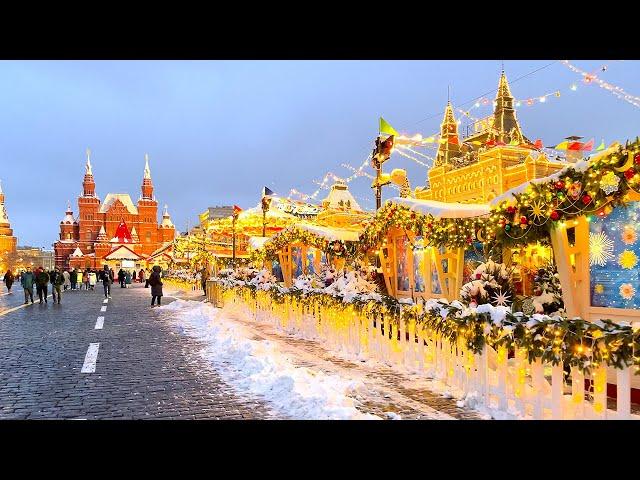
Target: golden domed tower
(7, 240)
(494, 159)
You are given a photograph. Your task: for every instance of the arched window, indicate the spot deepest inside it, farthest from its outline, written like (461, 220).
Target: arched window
(148, 237)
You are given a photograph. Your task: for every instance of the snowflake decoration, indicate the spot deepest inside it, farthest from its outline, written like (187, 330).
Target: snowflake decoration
(629, 235)
(627, 259)
(600, 249)
(599, 288)
(501, 298)
(627, 291)
(527, 306)
(537, 209)
(609, 183)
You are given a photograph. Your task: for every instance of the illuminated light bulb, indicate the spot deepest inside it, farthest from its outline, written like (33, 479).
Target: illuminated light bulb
(543, 99)
(573, 87)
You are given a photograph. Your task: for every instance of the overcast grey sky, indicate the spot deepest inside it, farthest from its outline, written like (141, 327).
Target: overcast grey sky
(218, 131)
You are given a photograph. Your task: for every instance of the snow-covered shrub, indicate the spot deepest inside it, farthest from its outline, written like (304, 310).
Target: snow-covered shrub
(490, 283)
(547, 292)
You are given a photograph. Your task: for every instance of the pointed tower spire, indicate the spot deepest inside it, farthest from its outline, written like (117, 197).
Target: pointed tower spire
(166, 218)
(88, 165)
(147, 170)
(147, 184)
(505, 124)
(89, 186)
(449, 143)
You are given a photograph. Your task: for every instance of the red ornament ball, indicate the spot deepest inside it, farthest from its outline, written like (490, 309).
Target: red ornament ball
(559, 185)
(586, 199)
(555, 215)
(511, 209)
(636, 159)
(478, 276)
(629, 174)
(523, 220)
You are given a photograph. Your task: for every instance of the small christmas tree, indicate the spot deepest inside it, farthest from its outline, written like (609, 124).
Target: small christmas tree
(490, 283)
(547, 291)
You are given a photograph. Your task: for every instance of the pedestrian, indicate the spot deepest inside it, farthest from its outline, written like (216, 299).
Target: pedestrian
(127, 278)
(133, 276)
(67, 279)
(73, 278)
(156, 285)
(203, 279)
(85, 279)
(141, 275)
(93, 279)
(57, 280)
(107, 280)
(8, 280)
(121, 278)
(42, 284)
(27, 280)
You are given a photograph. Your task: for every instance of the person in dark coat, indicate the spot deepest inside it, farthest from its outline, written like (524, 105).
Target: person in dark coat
(57, 280)
(204, 278)
(73, 278)
(8, 280)
(121, 278)
(155, 280)
(27, 280)
(141, 275)
(107, 280)
(42, 284)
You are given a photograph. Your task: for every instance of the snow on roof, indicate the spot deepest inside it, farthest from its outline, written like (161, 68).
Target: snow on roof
(442, 209)
(161, 249)
(123, 197)
(330, 233)
(340, 193)
(122, 252)
(271, 213)
(77, 253)
(257, 242)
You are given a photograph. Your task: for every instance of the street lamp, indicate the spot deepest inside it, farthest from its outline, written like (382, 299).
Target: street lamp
(381, 153)
(266, 203)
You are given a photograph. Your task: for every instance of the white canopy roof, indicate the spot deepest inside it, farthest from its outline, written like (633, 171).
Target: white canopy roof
(330, 233)
(442, 209)
(257, 242)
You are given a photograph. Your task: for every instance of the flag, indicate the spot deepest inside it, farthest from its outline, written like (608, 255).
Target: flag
(538, 144)
(266, 192)
(588, 146)
(386, 128)
(575, 146)
(561, 146)
(236, 210)
(453, 140)
(601, 146)
(514, 142)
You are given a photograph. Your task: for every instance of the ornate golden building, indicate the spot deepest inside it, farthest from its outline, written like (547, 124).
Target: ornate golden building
(7, 240)
(494, 159)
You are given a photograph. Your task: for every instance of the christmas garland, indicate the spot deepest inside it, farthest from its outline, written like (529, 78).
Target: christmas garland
(575, 342)
(294, 234)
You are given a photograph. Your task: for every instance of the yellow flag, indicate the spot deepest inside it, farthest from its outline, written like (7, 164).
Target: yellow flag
(600, 147)
(386, 128)
(514, 142)
(562, 146)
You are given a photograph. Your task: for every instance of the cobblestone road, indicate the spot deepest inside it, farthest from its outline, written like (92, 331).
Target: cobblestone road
(144, 368)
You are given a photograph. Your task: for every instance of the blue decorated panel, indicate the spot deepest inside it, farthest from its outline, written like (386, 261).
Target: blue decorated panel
(402, 263)
(614, 253)
(418, 265)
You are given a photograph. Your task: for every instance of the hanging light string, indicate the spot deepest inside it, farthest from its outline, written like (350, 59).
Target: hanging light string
(614, 89)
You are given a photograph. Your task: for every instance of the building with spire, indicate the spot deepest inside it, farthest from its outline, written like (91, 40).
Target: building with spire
(7, 240)
(493, 159)
(116, 232)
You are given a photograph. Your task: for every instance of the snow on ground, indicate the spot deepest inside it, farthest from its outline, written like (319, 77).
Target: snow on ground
(258, 367)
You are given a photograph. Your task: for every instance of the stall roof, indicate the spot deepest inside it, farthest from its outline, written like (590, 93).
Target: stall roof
(257, 242)
(442, 209)
(330, 233)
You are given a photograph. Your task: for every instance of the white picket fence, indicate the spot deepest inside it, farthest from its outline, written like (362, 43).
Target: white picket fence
(531, 390)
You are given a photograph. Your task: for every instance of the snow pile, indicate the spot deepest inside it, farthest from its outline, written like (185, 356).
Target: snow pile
(351, 286)
(263, 280)
(490, 283)
(258, 368)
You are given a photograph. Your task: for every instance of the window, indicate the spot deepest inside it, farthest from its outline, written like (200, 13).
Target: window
(148, 237)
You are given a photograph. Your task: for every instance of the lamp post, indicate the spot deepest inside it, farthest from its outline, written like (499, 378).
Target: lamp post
(266, 203)
(381, 153)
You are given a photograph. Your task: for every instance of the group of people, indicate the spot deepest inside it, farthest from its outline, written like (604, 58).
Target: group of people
(74, 280)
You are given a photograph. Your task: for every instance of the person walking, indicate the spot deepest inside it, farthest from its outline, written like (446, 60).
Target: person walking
(8, 280)
(67, 279)
(27, 280)
(203, 279)
(127, 279)
(107, 280)
(121, 278)
(133, 276)
(57, 280)
(93, 279)
(42, 284)
(85, 279)
(155, 280)
(141, 275)
(73, 278)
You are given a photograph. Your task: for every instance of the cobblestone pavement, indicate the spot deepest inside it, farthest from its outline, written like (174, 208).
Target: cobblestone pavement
(144, 368)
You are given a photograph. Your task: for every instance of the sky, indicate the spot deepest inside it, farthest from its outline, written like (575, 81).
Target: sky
(218, 131)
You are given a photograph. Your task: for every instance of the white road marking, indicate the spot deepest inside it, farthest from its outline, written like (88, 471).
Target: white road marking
(103, 308)
(99, 323)
(90, 359)
(106, 300)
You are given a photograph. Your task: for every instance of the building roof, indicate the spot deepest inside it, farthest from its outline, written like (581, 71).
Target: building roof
(442, 209)
(123, 197)
(122, 252)
(340, 198)
(77, 253)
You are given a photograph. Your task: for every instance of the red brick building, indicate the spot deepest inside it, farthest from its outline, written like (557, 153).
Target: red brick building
(116, 232)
